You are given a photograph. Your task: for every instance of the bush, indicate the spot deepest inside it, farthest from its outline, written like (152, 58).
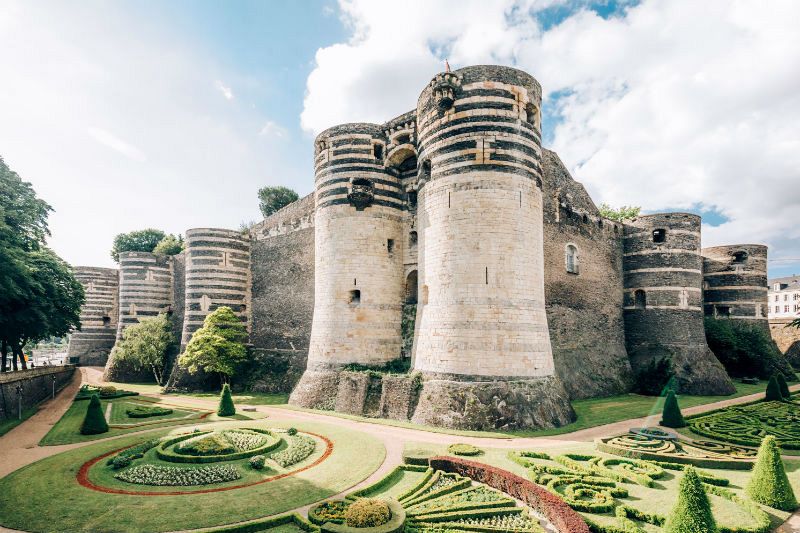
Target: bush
(773, 393)
(121, 461)
(367, 512)
(464, 449)
(692, 512)
(783, 386)
(769, 485)
(653, 377)
(291, 432)
(257, 462)
(108, 391)
(745, 349)
(146, 412)
(671, 416)
(226, 407)
(95, 421)
(135, 452)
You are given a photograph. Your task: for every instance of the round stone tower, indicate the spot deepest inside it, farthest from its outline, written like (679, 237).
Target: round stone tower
(664, 302)
(99, 315)
(482, 338)
(735, 282)
(358, 285)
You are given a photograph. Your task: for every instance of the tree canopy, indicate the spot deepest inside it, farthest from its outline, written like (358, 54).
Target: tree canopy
(271, 199)
(144, 240)
(218, 346)
(625, 212)
(145, 345)
(169, 245)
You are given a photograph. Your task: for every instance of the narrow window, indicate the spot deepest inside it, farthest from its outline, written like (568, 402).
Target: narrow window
(106, 321)
(571, 259)
(739, 257)
(403, 139)
(659, 235)
(426, 167)
(412, 199)
(585, 219)
(640, 299)
(390, 245)
(411, 287)
(355, 297)
(412, 240)
(354, 281)
(377, 151)
(487, 275)
(723, 310)
(531, 115)
(448, 199)
(520, 198)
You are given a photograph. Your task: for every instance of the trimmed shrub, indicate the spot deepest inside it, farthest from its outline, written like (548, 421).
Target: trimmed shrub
(291, 432)
(257, 462)
(464, 449)
(784, 387)
(769, 485)
(226, 407)
(121, 461)
(692, 512)
(95, 421)
(773, 393)
(671, 416)
(146, 412)
(367, 512)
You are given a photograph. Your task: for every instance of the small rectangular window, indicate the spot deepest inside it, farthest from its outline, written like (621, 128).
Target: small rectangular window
(390, 245)
(106, 321)
(377, 151)
(659, 235)
(355, 296)
(723, 310)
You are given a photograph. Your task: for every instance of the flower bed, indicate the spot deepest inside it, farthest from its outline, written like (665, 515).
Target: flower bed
(300, 447)
(104, 393)
(747, 425)
(211, 447)
(171, 476)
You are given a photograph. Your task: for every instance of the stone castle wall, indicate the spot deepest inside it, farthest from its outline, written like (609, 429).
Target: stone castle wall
(99, 316)
(735, 282)
(787, 339)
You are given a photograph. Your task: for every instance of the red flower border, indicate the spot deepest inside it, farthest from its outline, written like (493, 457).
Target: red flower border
(83, 475)
(561, 515)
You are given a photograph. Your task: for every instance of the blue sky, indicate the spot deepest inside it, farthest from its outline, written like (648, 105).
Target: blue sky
(172, 114)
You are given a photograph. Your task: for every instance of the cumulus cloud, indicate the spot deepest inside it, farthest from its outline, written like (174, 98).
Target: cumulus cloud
(667, 105)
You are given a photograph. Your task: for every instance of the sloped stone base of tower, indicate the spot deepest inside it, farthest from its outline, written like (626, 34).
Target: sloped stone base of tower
(697, 370)
(317, 389)
(489, 405)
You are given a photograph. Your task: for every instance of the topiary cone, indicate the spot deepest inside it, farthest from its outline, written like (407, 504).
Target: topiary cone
(769, 485)
(671, 416)
(773, 390)
(95, 421)
(226, 407)
(784, 387)
(692, 512)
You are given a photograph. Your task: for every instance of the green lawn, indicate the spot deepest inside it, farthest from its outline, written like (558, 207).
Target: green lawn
(244, 398)
(44, 497)
(590, 413)
(8, 424)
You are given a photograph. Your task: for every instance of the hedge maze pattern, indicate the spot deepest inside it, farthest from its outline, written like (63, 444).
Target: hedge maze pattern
(747, 425)
(596, 485)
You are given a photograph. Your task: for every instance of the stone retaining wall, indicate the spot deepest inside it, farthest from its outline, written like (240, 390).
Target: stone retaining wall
(37, 385)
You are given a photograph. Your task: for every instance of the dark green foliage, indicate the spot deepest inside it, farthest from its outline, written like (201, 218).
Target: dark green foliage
(773, 391)
(226, 407)
(395, 366)
(169, 245)
(146, 412)
(692, 512)
(653, 377)
(132, 453)
(464, 449)
(783, 386)
(144, 346)
(625, 212)
(745, 349)
(272, 199)
(136, 241)
(769, 485)
(121, 461)
(95, 421)
(217, 347)
(257, 462)
(291, 432)
(671, 416)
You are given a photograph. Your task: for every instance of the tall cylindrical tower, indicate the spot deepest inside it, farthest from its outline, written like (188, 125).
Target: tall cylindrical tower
(358, 287)
(664, 303)
(735, 282)
(217, 274)
(99, 315)
(482, 337)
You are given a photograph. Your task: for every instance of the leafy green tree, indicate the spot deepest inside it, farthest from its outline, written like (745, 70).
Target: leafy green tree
(169, 245)
(692, 512)
(218, 346)
(23, 216)
(136, 241)
(625, 212)
(773, 393)
(671, 416)
(145, 345)
(769, 485)
(95, 421)
(226, 407)
(271, 199)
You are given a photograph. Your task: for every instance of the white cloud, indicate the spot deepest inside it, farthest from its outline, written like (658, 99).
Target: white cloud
(273, 129)
(226, 91)
(670, 104)
(115, 143)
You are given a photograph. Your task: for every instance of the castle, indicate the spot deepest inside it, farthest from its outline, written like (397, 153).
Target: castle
(449, 236)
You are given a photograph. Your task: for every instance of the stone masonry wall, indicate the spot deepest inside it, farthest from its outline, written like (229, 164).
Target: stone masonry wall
(735, 282)
(37, 385)
(99, 316)
(787, 339)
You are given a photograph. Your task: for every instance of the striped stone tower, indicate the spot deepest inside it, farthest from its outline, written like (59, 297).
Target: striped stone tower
(217, 274)
(735, 282)
(358, 288)
(145, 287)
(99, 315)
(663, 305)
(482, 338)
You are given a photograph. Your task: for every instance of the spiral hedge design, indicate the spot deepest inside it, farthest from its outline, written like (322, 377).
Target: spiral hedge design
(747, 425)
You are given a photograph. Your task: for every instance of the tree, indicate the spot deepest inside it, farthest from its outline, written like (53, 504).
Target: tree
(625, 212)
(769, 485)
(218, 346)
(271, 199)
(783, 386)
(146, 344)
(226, 407)
(95, 421)
(23, 216)
(692, 512)
(671, 416)
(773, 393)
(169, 245)
(136, 241)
